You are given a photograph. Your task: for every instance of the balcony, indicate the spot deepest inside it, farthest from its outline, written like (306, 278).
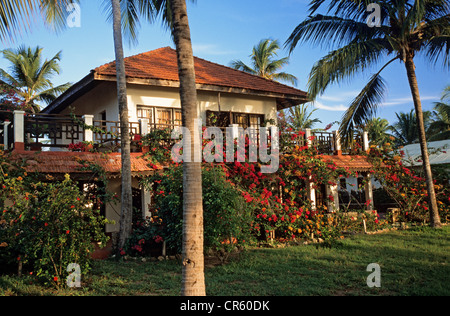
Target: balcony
(36, 132)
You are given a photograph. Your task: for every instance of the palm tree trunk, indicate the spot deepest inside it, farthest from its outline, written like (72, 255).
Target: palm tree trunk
(193, 279)
(127, 202)
(411, 71)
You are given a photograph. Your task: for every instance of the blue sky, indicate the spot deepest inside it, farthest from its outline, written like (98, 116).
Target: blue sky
(226, 30)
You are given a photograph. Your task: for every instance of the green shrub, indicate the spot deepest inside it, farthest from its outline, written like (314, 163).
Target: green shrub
(227, 218)
(45, 226)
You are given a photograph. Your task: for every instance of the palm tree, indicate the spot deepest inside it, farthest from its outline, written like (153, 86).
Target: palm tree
(440, 127)
(126, 214)
(300, 117)
(406, 28)
(264, 63)
(405, 129)
(378, 129)
(30, 76)
(193, 283)
(174, 16)
(16, 15)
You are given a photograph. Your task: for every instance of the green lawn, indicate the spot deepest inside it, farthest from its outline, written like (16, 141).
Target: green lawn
(413, 262)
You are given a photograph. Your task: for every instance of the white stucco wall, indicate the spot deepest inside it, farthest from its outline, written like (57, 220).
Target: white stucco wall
(101, 98)
(104, 98)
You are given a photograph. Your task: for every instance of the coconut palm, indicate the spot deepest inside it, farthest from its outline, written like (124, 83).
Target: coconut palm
(16, 15)
(265, 64)
(440, 127)
(378, 130)
(174, 16)
(30, 76)
(405, 129)
(299, 117)
(193, 283)
(126, 214)
(406, 28)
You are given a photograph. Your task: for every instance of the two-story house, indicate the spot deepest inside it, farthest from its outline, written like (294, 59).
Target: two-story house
(235, 97)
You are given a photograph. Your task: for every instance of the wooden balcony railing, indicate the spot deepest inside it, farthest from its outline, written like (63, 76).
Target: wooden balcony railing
(60, 131)
(56, 131)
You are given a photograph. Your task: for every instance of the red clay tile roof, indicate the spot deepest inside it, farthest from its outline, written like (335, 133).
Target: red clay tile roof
(70, 162)
(354, 163)
(161, 64)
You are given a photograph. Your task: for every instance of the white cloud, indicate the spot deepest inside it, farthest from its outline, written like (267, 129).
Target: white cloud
(408, 100)
(339, 102)
(333, 108)
(344, 96)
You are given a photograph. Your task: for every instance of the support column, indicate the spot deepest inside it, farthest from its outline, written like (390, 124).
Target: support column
(5, 135)
(19, 130)
(337, 143)
(146, 202)
(333, 191)
(366, 141)
(235, 131)
(311, 195)
(144, 126)
(368, 190)
(88, 133)
(308, 135)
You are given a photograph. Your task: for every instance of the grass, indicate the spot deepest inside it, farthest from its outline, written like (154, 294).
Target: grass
(413, 262)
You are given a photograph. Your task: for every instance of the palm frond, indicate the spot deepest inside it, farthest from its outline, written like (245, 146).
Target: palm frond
(405, 129)
(30, 75)
(299, 117)
(344, 8)
(274, 65)
(285, 77)
(55, 12)
(441, 136)
(344, 63)
(132, 11)
(240, 65)
(363, 107)
(51, 94)
(15, 17)
(264, 64)
(438, 48)
(331, 31)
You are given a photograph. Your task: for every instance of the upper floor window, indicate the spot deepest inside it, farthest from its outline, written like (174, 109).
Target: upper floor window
(225, 119)
(160, 117)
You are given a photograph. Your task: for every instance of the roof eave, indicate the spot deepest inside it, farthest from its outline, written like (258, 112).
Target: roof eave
(283, 100)
(74, 92)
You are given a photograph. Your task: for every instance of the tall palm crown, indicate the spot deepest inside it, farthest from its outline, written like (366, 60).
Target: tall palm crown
(265, 64)
(30, 76)
(440, 126)
(174, 16)
(405, 129)
(378, 130)
(405, 28)
(16, 15)
(300, 117)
